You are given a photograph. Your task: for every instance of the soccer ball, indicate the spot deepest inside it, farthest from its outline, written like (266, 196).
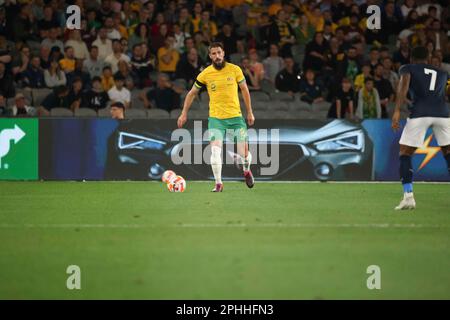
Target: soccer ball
(168, 176)
(177, 185)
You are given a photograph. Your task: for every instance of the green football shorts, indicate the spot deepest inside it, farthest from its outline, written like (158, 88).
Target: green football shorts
(233, 128)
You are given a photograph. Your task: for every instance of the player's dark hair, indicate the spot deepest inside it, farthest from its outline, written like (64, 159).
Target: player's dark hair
(215, 45)
(118, 105)
(419, 53)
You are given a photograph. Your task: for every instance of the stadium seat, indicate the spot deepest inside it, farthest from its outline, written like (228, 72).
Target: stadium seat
(135, 114)
(85, 112)
(61, 112)
(281, 96)
(259, 96)
(180, 83)
(27, 93)
(260, 105)
(321, 106)
(104, 113)
(267, 87)
(302, 114)
(299, 105)
(204, 96)
(279, 105)
(175, 113)
(157, 114)
(198, 114)
(137, 103)
(39, 95)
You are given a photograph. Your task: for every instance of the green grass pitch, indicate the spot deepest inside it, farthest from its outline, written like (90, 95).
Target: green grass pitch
(135, 240)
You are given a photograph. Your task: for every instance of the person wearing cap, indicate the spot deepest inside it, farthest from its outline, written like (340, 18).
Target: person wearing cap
(119, 93)
(117, 111)
(20, 108)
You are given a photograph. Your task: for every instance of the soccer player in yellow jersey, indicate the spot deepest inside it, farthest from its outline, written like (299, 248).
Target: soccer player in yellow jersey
(222, 80)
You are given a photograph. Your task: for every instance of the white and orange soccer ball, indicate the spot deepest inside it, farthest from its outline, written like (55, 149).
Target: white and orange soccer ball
(177, 185)
(168, 176)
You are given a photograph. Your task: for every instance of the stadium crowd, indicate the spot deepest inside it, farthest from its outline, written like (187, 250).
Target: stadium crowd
(309, 58)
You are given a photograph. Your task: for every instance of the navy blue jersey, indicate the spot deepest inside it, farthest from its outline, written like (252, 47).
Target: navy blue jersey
(427, 90)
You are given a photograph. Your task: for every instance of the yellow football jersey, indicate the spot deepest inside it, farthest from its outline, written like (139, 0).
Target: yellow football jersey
(222, 86)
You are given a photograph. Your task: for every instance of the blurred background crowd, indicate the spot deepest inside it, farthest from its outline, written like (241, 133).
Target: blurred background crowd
(301, 58)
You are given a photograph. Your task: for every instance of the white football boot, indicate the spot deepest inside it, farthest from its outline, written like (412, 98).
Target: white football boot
(408, 202)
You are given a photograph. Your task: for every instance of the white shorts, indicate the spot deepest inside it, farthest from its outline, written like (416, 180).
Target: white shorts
(415, 130)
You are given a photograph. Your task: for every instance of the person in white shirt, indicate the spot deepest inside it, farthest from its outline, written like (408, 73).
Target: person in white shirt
(113, 34)
(79, 46)
(117, 55)
(119, 93)
(103, 44)
(20, 107)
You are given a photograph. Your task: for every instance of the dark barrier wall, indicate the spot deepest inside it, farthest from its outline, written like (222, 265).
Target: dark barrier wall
(98, 149)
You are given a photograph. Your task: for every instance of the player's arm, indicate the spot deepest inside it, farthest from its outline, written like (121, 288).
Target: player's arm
(402, 91)
(248, 102)
(187, 104)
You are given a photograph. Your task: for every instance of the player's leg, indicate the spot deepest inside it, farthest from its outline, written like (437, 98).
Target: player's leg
(239, 128)
(441, 130)
(413, 136)
(216, 136)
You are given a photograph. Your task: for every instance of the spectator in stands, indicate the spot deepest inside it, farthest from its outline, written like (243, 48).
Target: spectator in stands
(255, 65)
(288, 79)
(20, 108)
(56, 99)
(207, 27)
(310, 89)
(374, 58)
(103, 44)
(360, 78)
(141, 66)
(107, 78)
(157, 40)
(68, 62)
(79, 73)
(95, 98)
(349, 66)
(168, 57)
(93, 65)
(201, 46)
(44, 56)
(111, 31)
(185, 22)
(75, 94)
(21, 61)
(228, 38)
(117, 111)
(80, 50)
(402, 56)
(52, 40)
(33, 77)
(384, 88)
(272, 64)
(157, 23)
(48, 20)
(262, 33)
(125, 72)
(179, 37)
(391, 20)
(164, 96)
(315, 51)
(54, 76)
(389, 74)
(437, 35)
(342, 106)
(188, 45)
(7, 88)
(119, 93)
(282, 34)
(368, 101)
(304, 31)
(190, 68)
(117, 55)
(250, 75)
(141, 34)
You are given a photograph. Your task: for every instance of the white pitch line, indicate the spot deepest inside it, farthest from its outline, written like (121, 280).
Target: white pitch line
(226, 225)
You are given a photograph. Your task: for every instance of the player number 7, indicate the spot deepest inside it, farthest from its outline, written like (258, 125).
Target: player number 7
(433, 77)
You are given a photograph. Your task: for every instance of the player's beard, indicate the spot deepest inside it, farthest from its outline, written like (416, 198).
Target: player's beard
(219, 65)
